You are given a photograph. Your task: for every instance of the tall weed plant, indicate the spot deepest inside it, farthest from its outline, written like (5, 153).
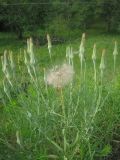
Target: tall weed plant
(57, 113)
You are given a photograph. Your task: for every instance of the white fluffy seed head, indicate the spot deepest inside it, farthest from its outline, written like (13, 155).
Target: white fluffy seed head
(60, 76)
(115, 51)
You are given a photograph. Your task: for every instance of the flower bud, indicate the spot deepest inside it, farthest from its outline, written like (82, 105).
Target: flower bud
(102, 64)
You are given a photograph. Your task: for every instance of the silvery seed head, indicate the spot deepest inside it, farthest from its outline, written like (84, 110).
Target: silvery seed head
(4, 61)
(60, 76)
(18, 138)
(67, 51)
(94, 53)
(5, 87)
(49, 42)
(44, 70)
(31, 53)
(102, 63)
(28, 45)
(11, 60)
(31, 44)
(115, 51)
(71, 53)
(82, 47)
(26, 61)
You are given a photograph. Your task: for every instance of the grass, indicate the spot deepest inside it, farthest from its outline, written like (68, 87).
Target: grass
(80, 132)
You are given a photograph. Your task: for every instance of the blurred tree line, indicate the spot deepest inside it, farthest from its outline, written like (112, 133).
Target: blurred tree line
(58, 17)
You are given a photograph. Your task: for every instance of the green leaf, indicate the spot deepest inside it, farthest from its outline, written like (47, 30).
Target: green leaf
(105, 151)
(55, 144)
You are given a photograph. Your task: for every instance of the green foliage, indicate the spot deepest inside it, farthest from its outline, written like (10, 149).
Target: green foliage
(109, 11)
(59, 28)
(46, 134)
(105, 151)
(61, 17)
(23, 17)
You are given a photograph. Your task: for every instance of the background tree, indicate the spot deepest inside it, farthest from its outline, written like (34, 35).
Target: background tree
(109, 11)
(22, 17)
(58, 17)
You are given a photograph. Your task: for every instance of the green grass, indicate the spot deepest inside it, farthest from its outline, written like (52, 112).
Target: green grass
(43, 136)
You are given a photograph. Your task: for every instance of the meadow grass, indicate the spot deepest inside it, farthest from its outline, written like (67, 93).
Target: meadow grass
(76, 122)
